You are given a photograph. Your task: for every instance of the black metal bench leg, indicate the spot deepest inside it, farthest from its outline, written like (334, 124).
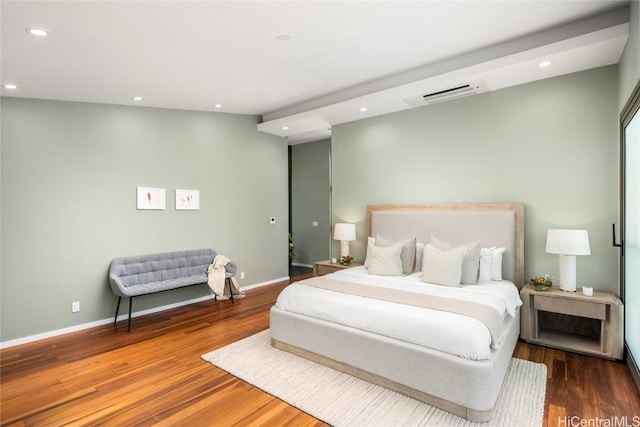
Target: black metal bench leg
(117, 309)
(228, 279)
(130, 305)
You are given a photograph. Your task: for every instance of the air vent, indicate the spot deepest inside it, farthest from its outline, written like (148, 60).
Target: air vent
(447, 94)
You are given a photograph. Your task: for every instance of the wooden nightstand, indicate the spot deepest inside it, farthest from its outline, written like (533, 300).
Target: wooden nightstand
(572, 321)
(321, 268)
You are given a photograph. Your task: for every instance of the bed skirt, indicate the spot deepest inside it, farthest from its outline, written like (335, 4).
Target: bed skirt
(467, 388)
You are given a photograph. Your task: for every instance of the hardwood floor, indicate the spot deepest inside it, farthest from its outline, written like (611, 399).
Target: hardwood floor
(154, 375)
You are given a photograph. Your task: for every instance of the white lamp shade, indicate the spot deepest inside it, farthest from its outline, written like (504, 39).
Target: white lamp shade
(568, 242)
(344, 231)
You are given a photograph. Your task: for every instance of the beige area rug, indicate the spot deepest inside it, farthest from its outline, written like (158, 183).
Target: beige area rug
(343, 400)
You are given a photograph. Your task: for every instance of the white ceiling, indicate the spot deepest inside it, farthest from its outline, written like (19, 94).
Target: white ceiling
(342, 55)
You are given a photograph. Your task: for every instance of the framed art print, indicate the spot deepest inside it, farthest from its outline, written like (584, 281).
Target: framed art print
(187, 199)
(150, 198)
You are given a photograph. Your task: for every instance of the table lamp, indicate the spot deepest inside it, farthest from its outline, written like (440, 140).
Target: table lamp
(344, 232)
(568, 244)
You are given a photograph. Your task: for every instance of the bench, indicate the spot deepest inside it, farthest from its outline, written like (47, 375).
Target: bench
(133, 276)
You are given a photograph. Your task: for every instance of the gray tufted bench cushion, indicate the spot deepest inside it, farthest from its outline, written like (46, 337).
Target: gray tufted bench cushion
(146, 274)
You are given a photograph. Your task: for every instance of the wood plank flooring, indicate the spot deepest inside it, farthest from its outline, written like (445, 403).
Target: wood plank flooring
(154, 375)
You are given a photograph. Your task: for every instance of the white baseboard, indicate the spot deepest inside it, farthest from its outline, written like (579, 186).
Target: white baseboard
(76, 328)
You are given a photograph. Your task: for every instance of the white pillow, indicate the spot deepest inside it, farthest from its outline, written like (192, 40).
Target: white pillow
(491, 263)
(443, 267)
(496, 263)
(408, 254)
(371, 241)
(385, 261)
(471, 259)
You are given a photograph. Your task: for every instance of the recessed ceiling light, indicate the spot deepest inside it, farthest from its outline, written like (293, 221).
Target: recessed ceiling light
(363, 109)
(137, 98)
(544, 64)
(10, 86)
(217, 106)
(285, 127)
(284, 37)
(37, 31)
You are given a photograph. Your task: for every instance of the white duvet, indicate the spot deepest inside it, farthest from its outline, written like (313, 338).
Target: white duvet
(449, 332)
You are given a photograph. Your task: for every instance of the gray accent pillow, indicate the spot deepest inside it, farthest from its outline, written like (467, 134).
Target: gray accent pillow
(419, 256)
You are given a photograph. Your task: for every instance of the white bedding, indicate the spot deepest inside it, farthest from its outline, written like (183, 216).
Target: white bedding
(448, 332)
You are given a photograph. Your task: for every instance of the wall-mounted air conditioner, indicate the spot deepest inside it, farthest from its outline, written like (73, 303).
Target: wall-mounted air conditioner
(448, 93)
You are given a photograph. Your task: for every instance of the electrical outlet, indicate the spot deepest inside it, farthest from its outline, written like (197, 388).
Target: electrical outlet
(75, 306)
(241, 275)
(315, 223)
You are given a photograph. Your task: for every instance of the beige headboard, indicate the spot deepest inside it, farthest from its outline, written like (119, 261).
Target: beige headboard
(495, 224)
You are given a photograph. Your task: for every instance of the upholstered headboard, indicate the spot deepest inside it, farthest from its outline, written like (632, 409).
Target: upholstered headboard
(495, 224)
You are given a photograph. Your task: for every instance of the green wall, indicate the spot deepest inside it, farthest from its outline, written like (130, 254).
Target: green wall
(551, 144)
(69, 177)
(311, 201)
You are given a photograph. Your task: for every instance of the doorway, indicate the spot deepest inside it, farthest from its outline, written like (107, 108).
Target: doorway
(309, 204)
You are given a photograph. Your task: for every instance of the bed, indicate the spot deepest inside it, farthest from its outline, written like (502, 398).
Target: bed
(409, 348)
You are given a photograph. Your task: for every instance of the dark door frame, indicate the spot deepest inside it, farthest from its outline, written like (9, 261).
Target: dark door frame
(628, 113)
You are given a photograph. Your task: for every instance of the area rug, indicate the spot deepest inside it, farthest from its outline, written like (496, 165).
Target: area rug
(343, 400)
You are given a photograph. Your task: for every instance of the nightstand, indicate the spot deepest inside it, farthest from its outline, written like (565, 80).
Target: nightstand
(321, 268)
(572, 321)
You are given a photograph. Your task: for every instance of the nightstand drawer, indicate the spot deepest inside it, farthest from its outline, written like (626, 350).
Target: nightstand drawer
(321, 268)
(571, 307)
(325, 269)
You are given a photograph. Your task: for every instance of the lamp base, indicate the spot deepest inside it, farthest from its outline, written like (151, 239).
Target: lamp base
(344, 248)
(568, 273)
